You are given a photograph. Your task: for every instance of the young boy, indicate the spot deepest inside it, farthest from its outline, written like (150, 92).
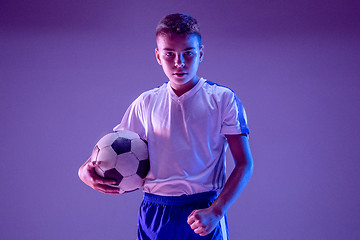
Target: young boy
(188, 124)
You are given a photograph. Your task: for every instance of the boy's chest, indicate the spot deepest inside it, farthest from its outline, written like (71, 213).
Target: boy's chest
(177, 116)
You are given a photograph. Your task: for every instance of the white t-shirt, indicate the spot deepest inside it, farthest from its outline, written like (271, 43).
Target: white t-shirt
(186, 136)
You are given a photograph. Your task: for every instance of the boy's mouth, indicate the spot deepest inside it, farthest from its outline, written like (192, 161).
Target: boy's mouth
(180, 74)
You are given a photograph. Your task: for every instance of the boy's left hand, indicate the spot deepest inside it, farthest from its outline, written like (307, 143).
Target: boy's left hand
(203, 221)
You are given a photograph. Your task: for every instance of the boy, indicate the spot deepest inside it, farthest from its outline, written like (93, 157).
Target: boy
(188, 123)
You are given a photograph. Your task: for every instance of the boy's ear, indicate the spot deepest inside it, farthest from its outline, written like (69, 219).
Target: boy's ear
(201, 52)
(157, 55)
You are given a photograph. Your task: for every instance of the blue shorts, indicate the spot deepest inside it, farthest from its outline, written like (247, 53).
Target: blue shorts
(165, 218)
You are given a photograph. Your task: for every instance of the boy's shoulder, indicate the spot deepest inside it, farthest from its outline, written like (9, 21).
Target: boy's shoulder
(217, 87)
(154, 91)
(218, 90)
(151, 94)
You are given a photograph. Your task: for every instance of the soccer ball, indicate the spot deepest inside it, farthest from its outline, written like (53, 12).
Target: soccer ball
(124, 158)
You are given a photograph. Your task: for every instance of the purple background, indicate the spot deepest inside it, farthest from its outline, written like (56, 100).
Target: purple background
(69, 69)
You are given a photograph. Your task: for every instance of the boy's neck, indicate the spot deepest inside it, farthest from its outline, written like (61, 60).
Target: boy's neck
(180, 89)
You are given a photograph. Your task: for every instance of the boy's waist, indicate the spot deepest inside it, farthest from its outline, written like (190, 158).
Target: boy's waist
(180, 200)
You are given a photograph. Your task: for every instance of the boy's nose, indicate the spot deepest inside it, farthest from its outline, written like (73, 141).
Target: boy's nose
(179, 65)
(179, 62)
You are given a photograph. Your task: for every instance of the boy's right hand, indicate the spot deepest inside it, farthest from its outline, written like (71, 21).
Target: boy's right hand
(89, 177)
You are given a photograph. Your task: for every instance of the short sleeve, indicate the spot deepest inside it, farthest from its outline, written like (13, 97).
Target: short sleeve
(234, 120)
(134, 119)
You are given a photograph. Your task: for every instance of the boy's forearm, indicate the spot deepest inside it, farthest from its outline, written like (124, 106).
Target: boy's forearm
(235, 184)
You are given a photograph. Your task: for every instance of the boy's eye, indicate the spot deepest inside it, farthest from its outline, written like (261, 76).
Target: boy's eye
(189, 53)
(169, 54)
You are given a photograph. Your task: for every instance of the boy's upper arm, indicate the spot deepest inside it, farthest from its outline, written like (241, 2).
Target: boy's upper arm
(234, 120)
(240, 149)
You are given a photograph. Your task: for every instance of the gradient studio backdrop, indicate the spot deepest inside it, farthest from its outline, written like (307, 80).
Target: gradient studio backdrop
(69, 69)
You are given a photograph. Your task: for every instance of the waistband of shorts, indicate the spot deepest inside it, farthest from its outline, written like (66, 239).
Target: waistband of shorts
(181, 200)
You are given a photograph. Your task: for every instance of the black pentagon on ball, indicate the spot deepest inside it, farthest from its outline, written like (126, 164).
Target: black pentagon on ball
(113, 174)
(143, 169)
(121, 145)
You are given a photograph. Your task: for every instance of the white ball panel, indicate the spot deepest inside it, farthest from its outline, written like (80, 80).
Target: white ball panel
(107, 157)
(107, 140)
(131, 183)
(139, 148)
(127, 164)
(127, 134)
(95, 153)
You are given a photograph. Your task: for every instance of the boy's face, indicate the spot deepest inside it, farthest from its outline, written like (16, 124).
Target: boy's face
(179, 56)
